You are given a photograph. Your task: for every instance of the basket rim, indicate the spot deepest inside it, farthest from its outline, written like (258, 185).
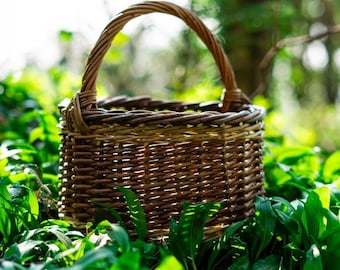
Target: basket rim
(168, 113)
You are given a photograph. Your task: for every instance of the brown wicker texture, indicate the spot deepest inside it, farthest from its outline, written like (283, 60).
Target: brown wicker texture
(168, 152)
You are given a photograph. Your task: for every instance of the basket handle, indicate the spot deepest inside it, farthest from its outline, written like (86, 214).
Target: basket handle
(87, 96)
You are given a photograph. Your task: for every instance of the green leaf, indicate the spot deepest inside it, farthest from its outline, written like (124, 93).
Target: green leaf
(136, 212)
(302, 161)
(169, 262)
(331, 168)
(117, 233)
(3, 164)
(222, 241)
(25, 250)
(186, 236)
(101, 258)
(56, 222)
(265, 224)
(271, 262)
(313, 259)
(285, 214)
(36, 134)
(20, 177)
(61, 236)
(324, 194)
(13, 253)
(332, 238)
(290, 154)
(313, 218)
(130, 260)
(33, 204)
(241, 263)
(5, 207)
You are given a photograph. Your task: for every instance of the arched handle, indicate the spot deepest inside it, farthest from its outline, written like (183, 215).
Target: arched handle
(87, 96)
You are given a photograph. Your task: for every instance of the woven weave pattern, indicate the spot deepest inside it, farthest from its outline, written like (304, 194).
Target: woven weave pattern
(167, 152)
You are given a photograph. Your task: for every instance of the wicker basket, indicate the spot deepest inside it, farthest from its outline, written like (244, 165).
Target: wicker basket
(167, 152)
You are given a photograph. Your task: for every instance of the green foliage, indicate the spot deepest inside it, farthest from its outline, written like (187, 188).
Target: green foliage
(331, 168)
(296, 224)
(291, 172)
(19, 211)
(295, 235)
(136, 212)
(186, 236)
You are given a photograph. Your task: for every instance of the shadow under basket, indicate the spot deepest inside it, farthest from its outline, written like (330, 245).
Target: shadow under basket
(167, 152)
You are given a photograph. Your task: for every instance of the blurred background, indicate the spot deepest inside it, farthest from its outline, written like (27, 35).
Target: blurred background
(285, 54)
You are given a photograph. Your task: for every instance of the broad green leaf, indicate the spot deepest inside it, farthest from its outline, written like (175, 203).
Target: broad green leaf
(34, 204)
(25, 250)
(302, 160)
(12, 253)
(313, 218)
(3, 171)
(136, 212)
(37, 134)
(271, 262)
(49, 123)
(117, 233)
(169, 262)
(241, 263)
(62, 237)
(101, 258)
(324, 194)
(331, 261)
(19, 177)
(289, 154)
(174, 245)
(313, 259)
(222, 241)
(332, 238)
(81, 247)
(186, 236)
(265, 224)
(331, 168)
(130, 260)
(147, 249)
(56, 222)
(285, 214)
(283, 204)
(5, 207)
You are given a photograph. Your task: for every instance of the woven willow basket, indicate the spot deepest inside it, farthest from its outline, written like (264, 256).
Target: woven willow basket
(167, 152)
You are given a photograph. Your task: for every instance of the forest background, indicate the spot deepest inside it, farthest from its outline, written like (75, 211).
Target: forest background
(286, 57)
(285, 54)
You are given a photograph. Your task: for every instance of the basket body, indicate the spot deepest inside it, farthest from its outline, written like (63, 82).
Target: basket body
(167, 152)
(215, 157)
